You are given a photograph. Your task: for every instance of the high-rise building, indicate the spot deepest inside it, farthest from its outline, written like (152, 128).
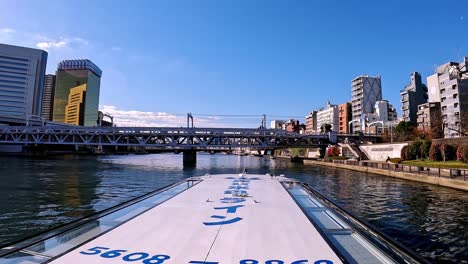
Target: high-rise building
(414, 94)
(449, 86)
(22, 73)
(311, 122)
(74, 111)
(328, 115)
(366, 90)
(76, 73)
(344, 116)
(48, 97)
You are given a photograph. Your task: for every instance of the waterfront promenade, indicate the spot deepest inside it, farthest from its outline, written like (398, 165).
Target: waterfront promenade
(453, 178)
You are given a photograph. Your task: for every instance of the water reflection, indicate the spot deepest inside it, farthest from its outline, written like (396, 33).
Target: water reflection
(39, 194)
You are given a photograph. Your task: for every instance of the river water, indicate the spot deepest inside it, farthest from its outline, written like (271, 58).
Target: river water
(38, 194)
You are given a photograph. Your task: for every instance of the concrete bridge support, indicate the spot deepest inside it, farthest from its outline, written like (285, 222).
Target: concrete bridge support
(190, 157)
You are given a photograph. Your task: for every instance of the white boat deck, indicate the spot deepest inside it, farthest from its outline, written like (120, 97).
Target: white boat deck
(266, 226)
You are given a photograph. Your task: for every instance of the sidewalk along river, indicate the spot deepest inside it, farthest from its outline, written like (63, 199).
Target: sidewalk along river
(38, 194)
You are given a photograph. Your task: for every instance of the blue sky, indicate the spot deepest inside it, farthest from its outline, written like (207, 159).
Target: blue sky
(281, 58)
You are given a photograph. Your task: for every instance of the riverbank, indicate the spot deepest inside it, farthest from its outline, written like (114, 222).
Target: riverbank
(443, 177)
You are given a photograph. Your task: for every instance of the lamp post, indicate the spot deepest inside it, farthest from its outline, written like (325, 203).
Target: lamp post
(373, 123)
(352, 121)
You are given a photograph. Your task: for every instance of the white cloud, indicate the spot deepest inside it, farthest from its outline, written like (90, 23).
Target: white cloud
(116, 48)
(62, 43)
(7, 30)
(51, 44)
(134, 118)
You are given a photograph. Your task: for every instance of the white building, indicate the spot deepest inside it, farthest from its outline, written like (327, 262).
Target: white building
(384, 112)
(22, 72)
(277, 124)
(366, 91)
(449, 86)
(329, 115)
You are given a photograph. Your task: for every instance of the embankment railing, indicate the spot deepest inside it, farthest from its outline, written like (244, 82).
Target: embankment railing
(451, 173)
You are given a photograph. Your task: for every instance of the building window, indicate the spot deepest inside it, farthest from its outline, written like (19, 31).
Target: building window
(442, 99)
(455, 95)
(455, 105)
(442, 91)
(444, 108)
(454, 86)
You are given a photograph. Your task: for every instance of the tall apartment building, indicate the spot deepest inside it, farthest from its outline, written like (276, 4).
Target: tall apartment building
(328, 115)
(344, 116)
(22, 73)
(414, 94)
(366, 90)
(429, 118)
(433, 81)
(76, 73)
(449, 86)
(311, 122)
(48, 97)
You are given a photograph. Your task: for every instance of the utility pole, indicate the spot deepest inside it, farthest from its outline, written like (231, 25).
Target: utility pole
(263, 125)
(189, 118)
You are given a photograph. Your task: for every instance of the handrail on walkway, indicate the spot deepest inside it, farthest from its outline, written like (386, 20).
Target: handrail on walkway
(452, 173)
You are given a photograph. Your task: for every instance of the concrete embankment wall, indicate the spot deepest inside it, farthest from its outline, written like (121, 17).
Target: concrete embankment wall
(456, 184)
(381, 152)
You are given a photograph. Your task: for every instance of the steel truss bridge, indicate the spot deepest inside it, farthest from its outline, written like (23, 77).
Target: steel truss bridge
(167, 138)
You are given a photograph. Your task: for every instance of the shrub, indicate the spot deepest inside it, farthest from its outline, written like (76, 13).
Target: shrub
(425, 148)
(434, 152)
(462, 153)
(447, 151)
(414, 150)
(404, 153)
(395, 160)
(333, 151)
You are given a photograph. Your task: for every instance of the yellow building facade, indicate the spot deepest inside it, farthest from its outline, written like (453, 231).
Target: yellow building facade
(74, 110)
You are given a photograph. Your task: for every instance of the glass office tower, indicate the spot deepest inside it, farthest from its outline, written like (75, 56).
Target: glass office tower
(72, 74)
(22, 73)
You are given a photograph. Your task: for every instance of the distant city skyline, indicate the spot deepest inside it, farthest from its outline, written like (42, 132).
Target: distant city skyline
(239, 58)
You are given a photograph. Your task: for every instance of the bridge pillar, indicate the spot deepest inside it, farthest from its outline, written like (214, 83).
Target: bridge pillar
(190, 157)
